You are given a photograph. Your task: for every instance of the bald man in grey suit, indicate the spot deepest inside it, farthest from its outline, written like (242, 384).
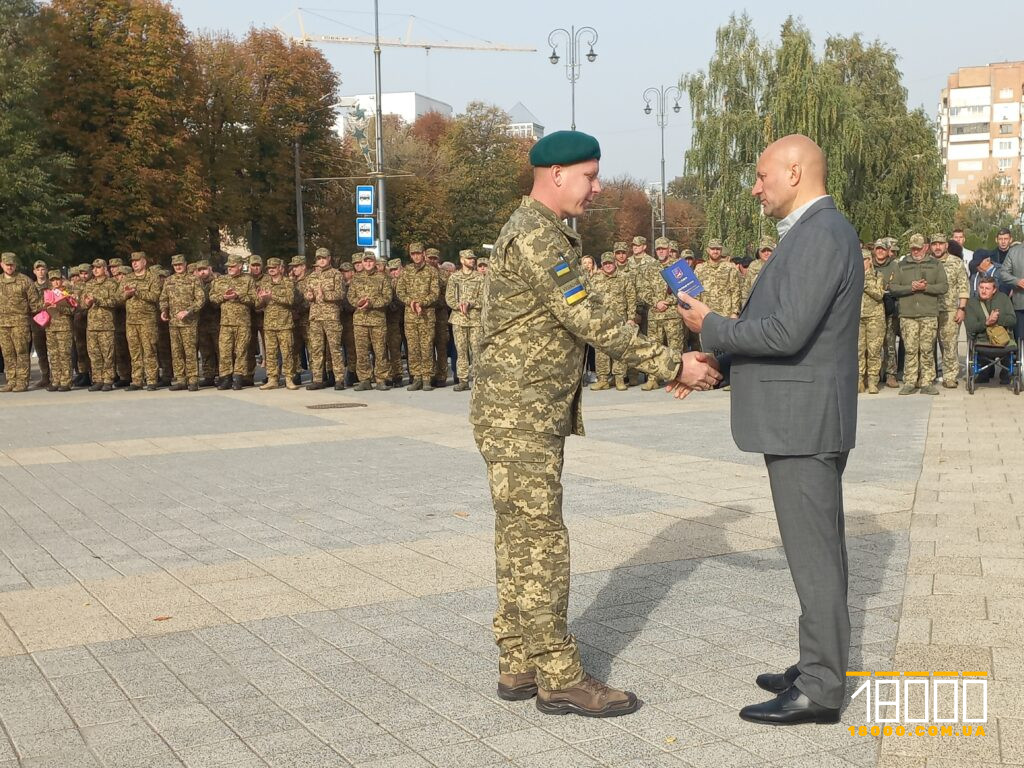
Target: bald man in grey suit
(791, 358)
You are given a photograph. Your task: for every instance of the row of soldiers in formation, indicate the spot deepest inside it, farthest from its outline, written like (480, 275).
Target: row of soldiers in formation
(138, 326)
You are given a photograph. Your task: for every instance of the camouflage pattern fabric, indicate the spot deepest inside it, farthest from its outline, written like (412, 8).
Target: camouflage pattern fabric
(949, 331)
(371, 339)
(872, 326)
(19, 300)
(747, 283)
(183, 293)
(79, 326)
(465, 288)
(420, 283)
(141, 311)
(721, 283)
(59, 338)
(232, 349)
(208, 334)
(919, 340)
(235, 322)
(467, 337)
(101, 353)
(441, 332)
(279, 327)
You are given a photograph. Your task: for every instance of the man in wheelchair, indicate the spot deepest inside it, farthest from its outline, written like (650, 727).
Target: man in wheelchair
(990, 323)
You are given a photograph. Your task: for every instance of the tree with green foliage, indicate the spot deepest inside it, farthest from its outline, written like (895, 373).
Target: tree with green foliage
(36, 218)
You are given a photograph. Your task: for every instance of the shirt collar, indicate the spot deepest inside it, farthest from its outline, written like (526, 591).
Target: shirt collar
(787, 223)
(547, 213)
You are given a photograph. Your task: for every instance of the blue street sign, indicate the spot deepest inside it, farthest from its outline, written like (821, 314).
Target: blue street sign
(365, 235)
(364, 200)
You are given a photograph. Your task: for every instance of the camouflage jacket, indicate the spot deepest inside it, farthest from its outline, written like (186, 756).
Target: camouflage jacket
(419, 283)
(182, 293)
(300, 310)
(871, 305)
(652, 288)
(328, 308)
(468, 289)
(278, 308)
(61, 315)
(749, 279)
(617, 293)
(209, 315)
(956, 279)
(721, 283)
(107, 297)
(376, 287)
(537, 319)
(18, 300)
(441, 315)
(142, 308)
(234, 312)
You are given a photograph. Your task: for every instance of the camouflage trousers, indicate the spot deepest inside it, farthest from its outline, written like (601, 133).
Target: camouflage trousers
(324, 340)
(892, 327)
(142, 353)
(207, 341)
(300, 341)
(348, 341)
(184, 353)
(101, 354)
(531, 552)
(419, 338)
(58, 347)
(919, 341)
(669, 331)
(42, 357)
(232, 349)
(949, 335)
(466, 339)
(164, 357)
(869, 347)
(375, 338)
(255, 337)
(122, 355)
(80, 328)
(395, 344)
(279, 344)
(603, 365)
(14, 345)
(441, 336)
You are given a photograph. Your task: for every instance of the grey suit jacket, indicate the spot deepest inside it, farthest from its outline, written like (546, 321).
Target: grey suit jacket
(791, 355)
(1010, 271)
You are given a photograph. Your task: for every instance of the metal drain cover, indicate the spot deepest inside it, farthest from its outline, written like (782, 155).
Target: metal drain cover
(325, 406)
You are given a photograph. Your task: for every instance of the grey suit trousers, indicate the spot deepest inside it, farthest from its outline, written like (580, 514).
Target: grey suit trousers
(808, 495)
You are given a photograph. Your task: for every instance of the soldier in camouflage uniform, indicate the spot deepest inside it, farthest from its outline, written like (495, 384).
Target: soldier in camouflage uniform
(442, 333)
(721, 282)
(59, 334)
(953, 308)
(919, 282)
(80, 276)
(235, 295)
(348, 335)
(464, 296)
(256, 340)
(181, 303)
(324, 291)
(102, 296)
(122, 355)
(419, 290)
(370, 293)
(537, 318)
(885, 267)
(164, 357)
(141, 289)
(300, 317)
(872, 328)
(396, 322)
(764, 252)
(618, 295)
(277, 296)
(663, 322)
(19, 301)
(208, 333)
(41, 283)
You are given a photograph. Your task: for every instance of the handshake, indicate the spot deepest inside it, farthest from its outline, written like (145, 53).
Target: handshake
(697, 370)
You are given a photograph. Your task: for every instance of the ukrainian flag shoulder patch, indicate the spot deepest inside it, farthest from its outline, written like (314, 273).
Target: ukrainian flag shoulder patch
(574, 294)
(561, 269)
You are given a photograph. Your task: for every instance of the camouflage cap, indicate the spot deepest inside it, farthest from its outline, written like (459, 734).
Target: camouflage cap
(178, 258)
(937, 237)
(394, 263)
(662, 242)
(607, 258)
(687, 254)
(84, 267)
(673, 245)
(115, 262)
(162, 272)
(273, 261)
(415, 247)
(233, 261)
(256, 259)
(620, 246)
(8, 257)
(297, 261)
(38, 263)
(482, 260)
(766, 243)
(154, 268)
(202, 264)
(467, 254)
(346, 266)
(366, 256)
(714, 243)
(916, 241)
(432, 252)
(138, 255)
(639, 240)
(54, 274)
(881, 243)
(99, 263)
(322, 253)
(75, 270)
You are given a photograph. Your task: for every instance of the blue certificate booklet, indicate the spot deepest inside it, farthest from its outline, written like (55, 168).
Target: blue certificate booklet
(680, 277)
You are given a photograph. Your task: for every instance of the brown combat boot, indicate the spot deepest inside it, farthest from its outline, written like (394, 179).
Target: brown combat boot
(517, 687)
(589, 698)
(648, 385)
(620, 384)
(890, 382)
(860, 387)
(270, 384)
(597, 386)
(873, 388)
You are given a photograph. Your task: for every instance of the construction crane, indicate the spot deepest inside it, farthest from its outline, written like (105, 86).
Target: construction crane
(377, 42)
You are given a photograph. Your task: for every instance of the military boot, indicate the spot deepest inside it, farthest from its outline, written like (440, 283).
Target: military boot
(52, 388)
(428, 384)
(600, 384)
(415, 385)
(930, 389)
(649, 385)
(362, 386)
(517, 687)
(290, 383)
(380, 386)
(224, 383)
(890, 381)
(9, 386)
(461, 386)
(620, 383)
(873, 388)
(908, 389)
(269, 384)
(315, 385)
(589, 698)
(236, 382)
(339, 384)
(193, 387)
(177, 386)
(860, 387)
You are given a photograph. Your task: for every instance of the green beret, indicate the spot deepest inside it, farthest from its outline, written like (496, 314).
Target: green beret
(564, 148)
(178, 258)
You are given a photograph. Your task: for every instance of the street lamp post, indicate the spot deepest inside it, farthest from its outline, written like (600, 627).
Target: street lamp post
(382, 219)
(572, 38)
(660, 96)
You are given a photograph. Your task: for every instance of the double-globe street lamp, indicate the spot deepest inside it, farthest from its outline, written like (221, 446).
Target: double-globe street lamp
(660, 96)
(573, 38)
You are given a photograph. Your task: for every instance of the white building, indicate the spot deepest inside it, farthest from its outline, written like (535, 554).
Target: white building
(523, 124)
(408, 106)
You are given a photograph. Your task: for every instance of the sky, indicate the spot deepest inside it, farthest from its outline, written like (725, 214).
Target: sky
(641, 43)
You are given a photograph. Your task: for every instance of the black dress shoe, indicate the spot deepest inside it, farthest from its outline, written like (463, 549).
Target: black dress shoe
(777, 683)
(791, 707)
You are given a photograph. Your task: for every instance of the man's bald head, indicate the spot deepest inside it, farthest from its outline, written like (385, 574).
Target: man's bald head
(790, 173)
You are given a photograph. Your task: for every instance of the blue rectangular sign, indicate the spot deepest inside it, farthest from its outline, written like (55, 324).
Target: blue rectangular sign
(365, 235)
(364, 200)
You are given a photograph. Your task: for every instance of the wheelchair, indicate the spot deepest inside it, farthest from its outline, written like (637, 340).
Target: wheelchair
(983, 357)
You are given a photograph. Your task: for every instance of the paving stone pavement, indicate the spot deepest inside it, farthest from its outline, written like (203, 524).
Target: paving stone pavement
(234, 579)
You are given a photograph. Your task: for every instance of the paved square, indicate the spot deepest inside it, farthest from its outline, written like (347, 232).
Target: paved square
(235, 579)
